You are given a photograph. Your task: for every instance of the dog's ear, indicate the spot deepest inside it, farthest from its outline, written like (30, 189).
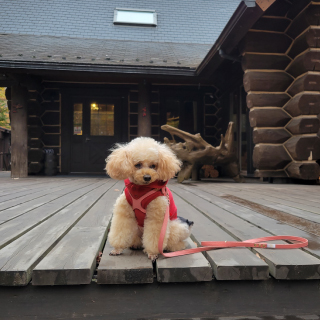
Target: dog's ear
(168, 164)
(119, 165)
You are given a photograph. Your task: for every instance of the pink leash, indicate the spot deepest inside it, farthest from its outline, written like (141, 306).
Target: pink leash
(210, 245)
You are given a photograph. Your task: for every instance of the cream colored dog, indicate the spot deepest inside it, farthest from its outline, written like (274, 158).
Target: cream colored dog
(147, 165)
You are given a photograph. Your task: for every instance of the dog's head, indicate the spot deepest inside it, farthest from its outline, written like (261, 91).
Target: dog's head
(143, 161)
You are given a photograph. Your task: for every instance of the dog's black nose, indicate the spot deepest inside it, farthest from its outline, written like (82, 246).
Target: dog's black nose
(146, 177)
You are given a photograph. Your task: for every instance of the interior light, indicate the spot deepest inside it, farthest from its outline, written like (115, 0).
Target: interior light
(94, 106)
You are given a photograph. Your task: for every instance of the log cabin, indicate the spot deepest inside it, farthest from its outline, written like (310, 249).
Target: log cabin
(83, 75)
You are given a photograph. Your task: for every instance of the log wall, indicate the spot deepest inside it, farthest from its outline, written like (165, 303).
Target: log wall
(281, 63)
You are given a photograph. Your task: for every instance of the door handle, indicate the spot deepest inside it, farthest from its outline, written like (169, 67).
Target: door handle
(87, 139)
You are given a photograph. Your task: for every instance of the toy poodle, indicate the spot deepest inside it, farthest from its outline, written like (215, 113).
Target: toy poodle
(146, 166)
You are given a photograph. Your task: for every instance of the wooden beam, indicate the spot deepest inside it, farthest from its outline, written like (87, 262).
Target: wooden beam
(304, 104)
(268, 117)
(260, 41)
(310, 81)
(309, 60)
(277, 61)
(304, 147)
(273, 23)
(144, 111)
(263, 99)
(309, 16)
(310, 38)
(267, 81)
(19, 133)
(304, 124)
(270, 157)
(304, 170)
(270, 135)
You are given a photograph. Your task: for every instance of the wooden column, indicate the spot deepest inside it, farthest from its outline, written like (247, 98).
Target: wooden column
(282, 78)
(144, 110)
(19, 132)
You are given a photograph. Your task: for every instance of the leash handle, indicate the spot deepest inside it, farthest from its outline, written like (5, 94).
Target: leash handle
(211, 245)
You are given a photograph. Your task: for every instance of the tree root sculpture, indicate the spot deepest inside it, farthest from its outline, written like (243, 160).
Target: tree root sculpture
(196, 152)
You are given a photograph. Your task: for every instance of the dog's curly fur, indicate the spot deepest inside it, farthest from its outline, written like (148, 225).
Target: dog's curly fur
(144, 156)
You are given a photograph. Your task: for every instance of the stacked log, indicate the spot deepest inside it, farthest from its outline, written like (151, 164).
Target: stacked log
(281, 61)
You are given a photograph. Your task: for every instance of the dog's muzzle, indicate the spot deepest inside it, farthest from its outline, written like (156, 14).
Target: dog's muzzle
(146, 177)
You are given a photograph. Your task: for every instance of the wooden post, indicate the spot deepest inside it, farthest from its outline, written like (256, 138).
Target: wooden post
(19, 132)
(144, 110)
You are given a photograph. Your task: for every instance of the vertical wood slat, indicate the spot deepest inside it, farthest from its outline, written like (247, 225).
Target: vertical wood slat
(19, 133)
(133, 99)
(144, 110)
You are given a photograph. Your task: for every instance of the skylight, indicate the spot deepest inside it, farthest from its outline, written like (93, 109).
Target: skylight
(135, 17)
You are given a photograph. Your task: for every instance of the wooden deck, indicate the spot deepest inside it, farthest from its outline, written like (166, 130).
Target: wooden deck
(51, 230)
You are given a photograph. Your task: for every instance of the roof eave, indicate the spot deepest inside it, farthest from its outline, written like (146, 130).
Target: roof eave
(241, 21)
(99, 68)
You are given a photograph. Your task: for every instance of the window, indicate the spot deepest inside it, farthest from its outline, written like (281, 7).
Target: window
(102, 119)
(135, 17)
(77, 119)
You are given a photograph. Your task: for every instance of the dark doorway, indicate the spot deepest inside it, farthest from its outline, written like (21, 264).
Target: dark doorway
(95, 128)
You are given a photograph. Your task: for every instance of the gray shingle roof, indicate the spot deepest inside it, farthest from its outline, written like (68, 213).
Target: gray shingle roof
(82, 32)
(48, 49)
(181, 21)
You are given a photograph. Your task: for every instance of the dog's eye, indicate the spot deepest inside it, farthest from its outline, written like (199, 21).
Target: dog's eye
(138, 165)
(153, 166)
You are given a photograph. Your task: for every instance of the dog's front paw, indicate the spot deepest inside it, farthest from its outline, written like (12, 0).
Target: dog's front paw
(153, 257)
(115, 252)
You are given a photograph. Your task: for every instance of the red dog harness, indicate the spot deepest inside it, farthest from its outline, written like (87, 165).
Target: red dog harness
(139, 196)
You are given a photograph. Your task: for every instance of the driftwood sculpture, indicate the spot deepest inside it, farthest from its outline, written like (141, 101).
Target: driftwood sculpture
(196, 152)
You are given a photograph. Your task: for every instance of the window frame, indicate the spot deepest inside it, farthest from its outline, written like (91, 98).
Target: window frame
(141, 24)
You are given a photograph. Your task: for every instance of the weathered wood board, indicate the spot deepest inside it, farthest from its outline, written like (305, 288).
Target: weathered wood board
(9, 203)
(283, 264)
(20, 209)
(18, 259)
(14, 228)
(227, 264)
(132, 266)
(73, 260)
(189, 268)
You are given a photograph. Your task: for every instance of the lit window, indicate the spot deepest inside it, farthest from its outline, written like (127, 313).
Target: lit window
(135, 17)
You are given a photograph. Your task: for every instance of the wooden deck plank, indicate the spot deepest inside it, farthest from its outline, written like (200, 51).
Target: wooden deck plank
(48, 188)
(269, 224)
(282, 193)
(18, 259)
(189, 268)
(315, 217)
(227, 264)
(283, 264)
(100, 214)
(15, 228)
(274, 201)
(19, 210)
(132, 266)
(10, 194)
(73, 260)
(21, 188)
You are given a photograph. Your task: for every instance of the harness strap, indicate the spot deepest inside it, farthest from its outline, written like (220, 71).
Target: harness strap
(136, 203)
(210, 245)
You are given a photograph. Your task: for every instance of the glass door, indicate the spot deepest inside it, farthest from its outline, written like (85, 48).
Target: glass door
(94, 133)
